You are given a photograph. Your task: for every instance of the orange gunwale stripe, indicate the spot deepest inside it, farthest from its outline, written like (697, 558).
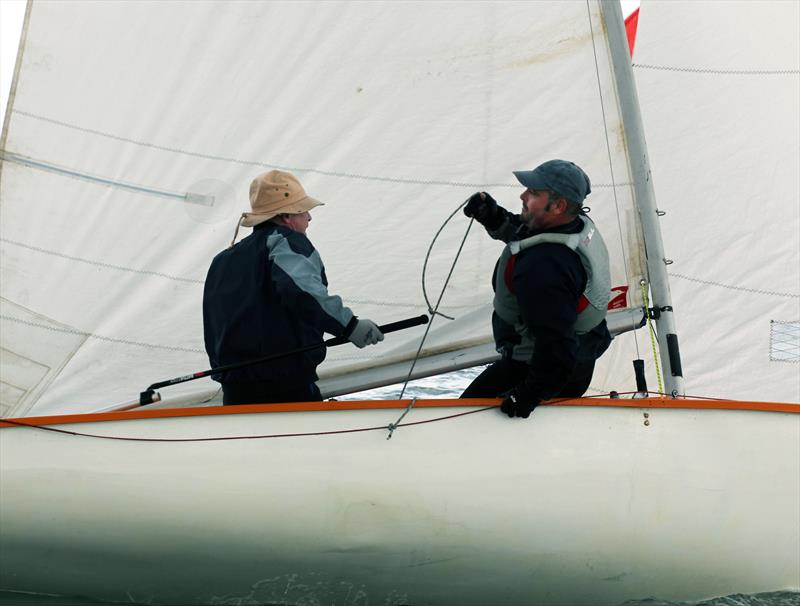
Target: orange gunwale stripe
(384, 404)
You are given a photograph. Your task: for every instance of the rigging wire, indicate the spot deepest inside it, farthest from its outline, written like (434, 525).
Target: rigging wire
(433, 312)
(610, 161)
(398, 423)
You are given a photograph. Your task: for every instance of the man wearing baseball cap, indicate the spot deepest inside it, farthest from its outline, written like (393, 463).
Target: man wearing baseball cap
(552, 288)
(268, 294)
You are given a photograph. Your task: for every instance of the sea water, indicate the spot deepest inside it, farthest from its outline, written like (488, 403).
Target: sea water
(444, 386)
(449, 385)
(776, 598)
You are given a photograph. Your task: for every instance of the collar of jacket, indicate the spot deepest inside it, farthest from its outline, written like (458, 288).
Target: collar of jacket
(573, 227)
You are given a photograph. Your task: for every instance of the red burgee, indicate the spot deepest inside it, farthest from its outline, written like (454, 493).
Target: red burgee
(630, 28)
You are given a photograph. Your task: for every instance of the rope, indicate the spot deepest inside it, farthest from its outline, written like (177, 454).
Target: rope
(431, 310)
(257, 437)
(393, 426)
(610, 163)
(435, 311)
(554, 402)
(652, 336)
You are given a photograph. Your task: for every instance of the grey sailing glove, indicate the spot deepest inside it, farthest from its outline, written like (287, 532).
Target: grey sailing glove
(365, 332)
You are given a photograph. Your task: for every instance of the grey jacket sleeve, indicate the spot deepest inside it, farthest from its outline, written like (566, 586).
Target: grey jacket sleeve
(299, 278)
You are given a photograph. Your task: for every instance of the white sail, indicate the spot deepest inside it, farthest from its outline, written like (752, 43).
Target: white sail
(595, 501)
(136, 129)
(719, 87)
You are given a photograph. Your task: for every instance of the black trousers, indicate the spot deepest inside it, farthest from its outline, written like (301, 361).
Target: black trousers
(502, 376)
(270, 392)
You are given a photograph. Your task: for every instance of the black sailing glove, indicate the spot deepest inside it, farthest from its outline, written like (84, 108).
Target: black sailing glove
(520, 402)
(483, 208)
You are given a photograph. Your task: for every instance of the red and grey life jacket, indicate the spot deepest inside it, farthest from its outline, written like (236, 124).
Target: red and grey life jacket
(593, 303)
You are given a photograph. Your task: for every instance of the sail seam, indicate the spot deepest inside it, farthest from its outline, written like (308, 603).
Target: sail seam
(720, 72)
(75, 331)
(101, 264)
(193, 280)
(409, 305)
(739, 288)
(344, 175)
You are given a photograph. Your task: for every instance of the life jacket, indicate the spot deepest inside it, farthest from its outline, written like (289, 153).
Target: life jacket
(593, 303)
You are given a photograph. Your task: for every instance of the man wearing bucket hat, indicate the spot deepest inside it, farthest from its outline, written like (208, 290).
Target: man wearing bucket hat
(552, 287)
(268, 295)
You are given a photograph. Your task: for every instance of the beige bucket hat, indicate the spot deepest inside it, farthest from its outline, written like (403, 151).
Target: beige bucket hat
(275, 193)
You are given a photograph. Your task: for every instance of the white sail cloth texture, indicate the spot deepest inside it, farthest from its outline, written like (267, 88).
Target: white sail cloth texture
(136, 128)
(722, 123)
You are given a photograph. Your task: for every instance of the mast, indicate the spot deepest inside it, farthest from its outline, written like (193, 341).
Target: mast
(645, 197)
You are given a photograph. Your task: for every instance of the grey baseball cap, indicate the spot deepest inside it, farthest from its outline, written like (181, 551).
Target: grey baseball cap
(562, 176)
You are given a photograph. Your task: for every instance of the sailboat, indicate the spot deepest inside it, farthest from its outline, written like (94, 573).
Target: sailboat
(131, 134)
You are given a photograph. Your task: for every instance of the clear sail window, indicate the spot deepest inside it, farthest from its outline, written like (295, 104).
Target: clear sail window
(784, 341)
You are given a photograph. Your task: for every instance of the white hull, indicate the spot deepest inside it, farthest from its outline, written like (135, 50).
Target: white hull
(573, 506)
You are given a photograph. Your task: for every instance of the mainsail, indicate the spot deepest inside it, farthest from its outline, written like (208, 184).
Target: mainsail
(136, 128)
(722, 121)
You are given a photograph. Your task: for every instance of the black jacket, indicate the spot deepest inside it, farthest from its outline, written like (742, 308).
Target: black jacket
(266, 295)
(548, 281)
